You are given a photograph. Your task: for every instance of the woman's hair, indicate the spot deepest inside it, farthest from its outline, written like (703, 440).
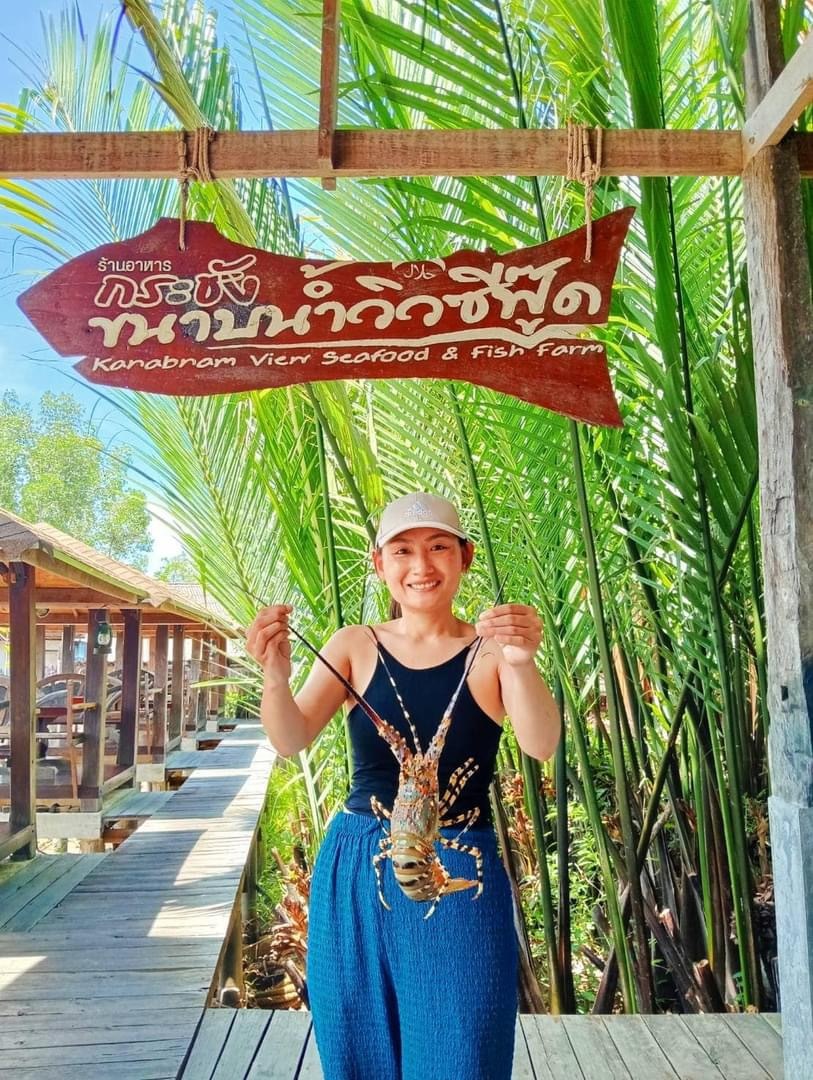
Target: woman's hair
(395, 608)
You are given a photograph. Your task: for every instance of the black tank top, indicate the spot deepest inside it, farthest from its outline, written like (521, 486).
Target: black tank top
(426, 693)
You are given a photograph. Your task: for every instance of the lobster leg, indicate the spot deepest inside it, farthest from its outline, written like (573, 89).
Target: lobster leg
(469, 817)
(456, 783)
(385, 843)
(381, 812)
(475, 853)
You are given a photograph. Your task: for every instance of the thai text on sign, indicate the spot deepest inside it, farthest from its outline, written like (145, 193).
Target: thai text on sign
(220, 317)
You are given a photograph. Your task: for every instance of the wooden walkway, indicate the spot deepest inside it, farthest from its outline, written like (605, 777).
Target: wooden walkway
(111, 982)
(251, 1044)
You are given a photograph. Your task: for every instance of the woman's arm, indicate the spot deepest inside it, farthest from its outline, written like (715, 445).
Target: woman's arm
(527, 701)
(292, 723)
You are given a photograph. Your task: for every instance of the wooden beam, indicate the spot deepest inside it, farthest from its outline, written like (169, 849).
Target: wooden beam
(191, 718)
(478, 152)
(159, 739)
(111, 589)
(39, 649)
(329, 92)
(782, 330)
(130, 687)
(78, 617)
(175, 723)
(22, 694)
(68, 657)
(94, 723)
(780, 107)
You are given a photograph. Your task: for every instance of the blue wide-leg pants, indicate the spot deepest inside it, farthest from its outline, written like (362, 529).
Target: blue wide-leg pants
(395, 996)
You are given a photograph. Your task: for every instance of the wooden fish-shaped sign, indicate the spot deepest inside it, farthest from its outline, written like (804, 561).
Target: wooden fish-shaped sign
(219, 317)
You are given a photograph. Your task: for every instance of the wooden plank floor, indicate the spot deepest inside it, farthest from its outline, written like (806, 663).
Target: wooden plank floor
(135, 804)
(254, 1044)
(29, 890)
(113, 980)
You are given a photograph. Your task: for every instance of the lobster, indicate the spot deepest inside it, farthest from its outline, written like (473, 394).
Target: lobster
(419, 812)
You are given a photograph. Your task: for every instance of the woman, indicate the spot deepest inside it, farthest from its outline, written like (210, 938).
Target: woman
(394, 995)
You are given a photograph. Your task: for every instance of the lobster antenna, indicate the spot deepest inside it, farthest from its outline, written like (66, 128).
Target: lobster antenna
(478, 643)
(364, 705)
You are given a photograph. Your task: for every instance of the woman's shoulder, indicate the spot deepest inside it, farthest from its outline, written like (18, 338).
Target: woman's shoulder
(347, 638)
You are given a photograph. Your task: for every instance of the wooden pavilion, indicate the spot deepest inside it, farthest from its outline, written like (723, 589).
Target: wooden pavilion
(770, 158)
(73, 737)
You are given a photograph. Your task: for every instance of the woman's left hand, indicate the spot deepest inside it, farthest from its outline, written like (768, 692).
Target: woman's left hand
(516, 627)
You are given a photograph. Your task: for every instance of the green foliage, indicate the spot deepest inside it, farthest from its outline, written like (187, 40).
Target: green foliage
(54, 468)
(177, 568)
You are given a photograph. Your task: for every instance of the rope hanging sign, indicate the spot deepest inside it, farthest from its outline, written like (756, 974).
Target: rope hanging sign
(209, 316)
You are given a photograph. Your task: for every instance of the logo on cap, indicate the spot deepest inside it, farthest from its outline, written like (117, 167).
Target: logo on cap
(418, 511)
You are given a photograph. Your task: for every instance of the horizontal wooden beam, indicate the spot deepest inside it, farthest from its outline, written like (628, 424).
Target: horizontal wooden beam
(359, 153)
(60, 567)
(65, 597)
(780, 108)
(65, 615)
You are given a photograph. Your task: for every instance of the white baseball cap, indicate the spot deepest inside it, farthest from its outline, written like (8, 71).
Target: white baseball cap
(418, 510)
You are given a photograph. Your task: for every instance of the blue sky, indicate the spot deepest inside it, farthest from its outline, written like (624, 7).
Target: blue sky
(27, 365)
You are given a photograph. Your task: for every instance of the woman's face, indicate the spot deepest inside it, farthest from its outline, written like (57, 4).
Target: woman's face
(421, 567)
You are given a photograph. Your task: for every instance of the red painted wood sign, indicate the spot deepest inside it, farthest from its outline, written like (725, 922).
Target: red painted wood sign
(218, 317)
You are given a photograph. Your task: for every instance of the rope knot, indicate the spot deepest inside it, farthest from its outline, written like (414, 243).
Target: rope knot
(583, 167)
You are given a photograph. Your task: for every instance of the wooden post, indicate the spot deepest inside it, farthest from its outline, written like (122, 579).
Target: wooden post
(176, 701)
(782, 321)
(40, 650)
(93, 744)
(221, 671)
(191, 724)
(329, 89)
(160, 738)
(22, 692)
(68, 636)
(205, 674)
(130, 686)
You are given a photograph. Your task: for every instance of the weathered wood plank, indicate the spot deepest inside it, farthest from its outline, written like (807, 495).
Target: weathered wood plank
(56, 1058)
(43, 987)
(523, 1068)
(594, 1049)
(723, 1047)
(779, 109)
(20, 1032)
(159, 1068)
(782, 332)
(561, 1059)
(282, 1047)
(775, 1020)
(310, 1067)
(481, 152)
(242, 1044)
(638, 1048)
(683, 1051)
(764, 1043)
(84, 1006)
(137, 804)
(207, 1047)
(56, 866)
(536, 1051)
(38, 906)
(82, 961)
(13, 875)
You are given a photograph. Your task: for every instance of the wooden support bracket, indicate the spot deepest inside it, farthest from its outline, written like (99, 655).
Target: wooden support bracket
(780, 108)
(328, 97)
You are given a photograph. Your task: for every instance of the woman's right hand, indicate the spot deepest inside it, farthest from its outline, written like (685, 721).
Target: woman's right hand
(268, 642)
